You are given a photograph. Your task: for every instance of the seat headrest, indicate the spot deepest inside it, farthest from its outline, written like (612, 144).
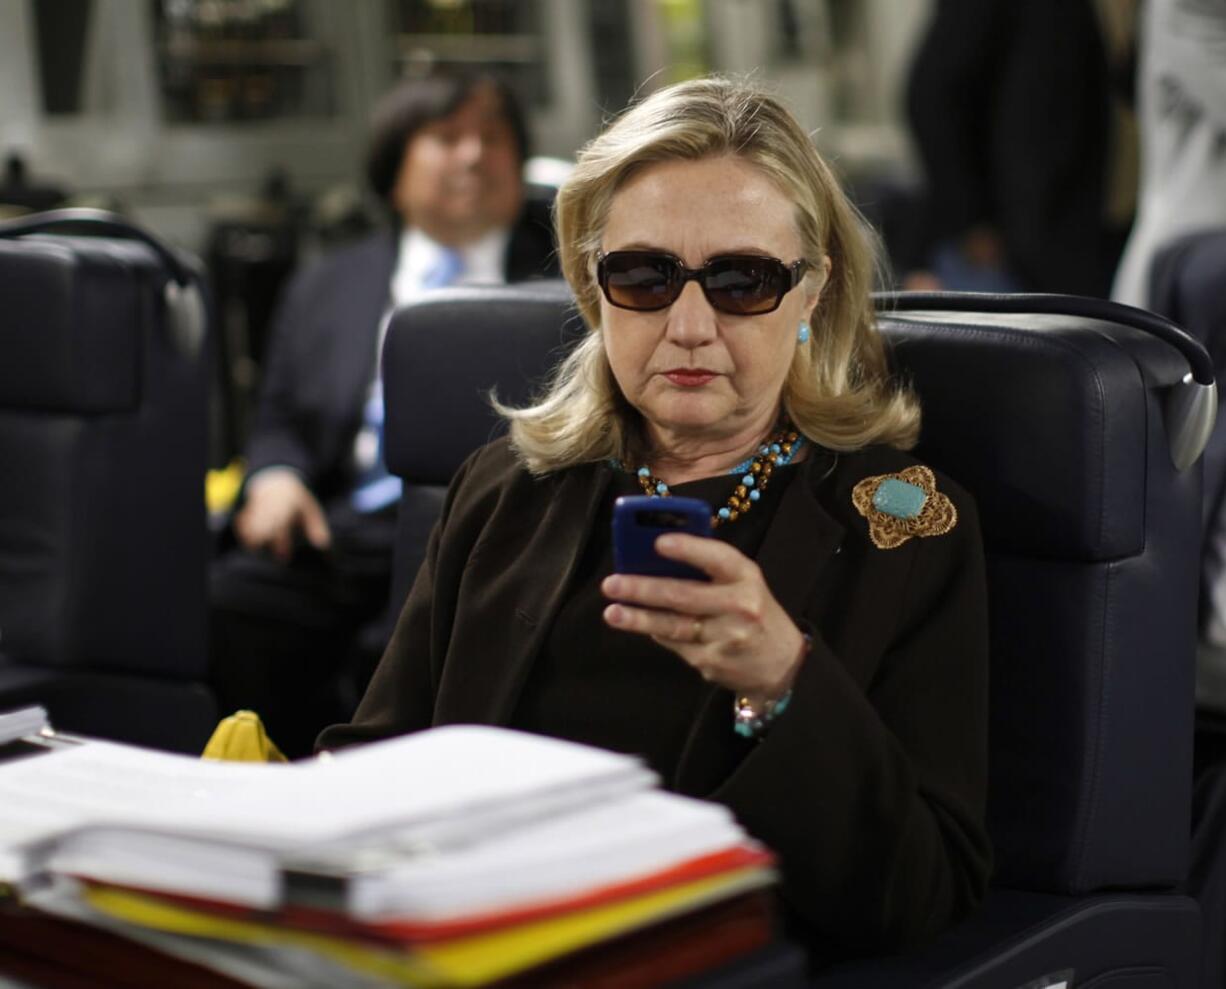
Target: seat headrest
(446, 339)
(1060, 486)
(68, 336)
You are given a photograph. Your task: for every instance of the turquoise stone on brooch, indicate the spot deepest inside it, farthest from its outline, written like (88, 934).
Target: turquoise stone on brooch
(898, 498)
(903, 505)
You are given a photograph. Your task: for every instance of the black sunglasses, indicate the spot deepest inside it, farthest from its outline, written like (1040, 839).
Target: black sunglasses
(737, 284)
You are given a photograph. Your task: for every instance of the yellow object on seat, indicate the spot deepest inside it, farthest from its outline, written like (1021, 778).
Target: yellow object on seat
(241, 738)
(221, 487)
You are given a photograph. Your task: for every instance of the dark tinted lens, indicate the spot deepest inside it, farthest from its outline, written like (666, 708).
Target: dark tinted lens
(743, 286)
(640, 280)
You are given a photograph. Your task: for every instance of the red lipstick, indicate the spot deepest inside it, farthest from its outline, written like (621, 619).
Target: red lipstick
(690, 377)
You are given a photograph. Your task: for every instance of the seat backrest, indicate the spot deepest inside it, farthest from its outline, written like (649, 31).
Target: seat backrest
(102, 455)
(442, 357)
(1056, 425)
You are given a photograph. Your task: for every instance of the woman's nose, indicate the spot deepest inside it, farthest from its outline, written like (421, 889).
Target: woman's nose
(691, 320)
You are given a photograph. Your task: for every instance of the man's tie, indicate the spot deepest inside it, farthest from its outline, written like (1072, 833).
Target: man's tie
(375, 487)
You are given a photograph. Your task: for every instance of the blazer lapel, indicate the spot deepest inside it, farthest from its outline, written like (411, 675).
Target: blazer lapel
(354, 352)
(800, 542)
(801, 539)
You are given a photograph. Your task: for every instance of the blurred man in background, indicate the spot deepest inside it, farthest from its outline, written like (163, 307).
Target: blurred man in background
(316, 520)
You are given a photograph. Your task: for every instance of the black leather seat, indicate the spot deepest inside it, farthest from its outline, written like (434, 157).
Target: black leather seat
(1066, 425)
(1060, 425)
(441, 358)
(102, 528)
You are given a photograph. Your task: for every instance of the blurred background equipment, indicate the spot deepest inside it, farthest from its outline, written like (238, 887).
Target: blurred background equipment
(239, 60)
(19, 194)
(252, 250)
(171, 104)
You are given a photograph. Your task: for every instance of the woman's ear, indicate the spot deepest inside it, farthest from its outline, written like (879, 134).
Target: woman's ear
(815, 283)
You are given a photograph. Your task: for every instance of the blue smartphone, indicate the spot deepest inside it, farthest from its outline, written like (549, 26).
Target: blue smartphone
(639, 520)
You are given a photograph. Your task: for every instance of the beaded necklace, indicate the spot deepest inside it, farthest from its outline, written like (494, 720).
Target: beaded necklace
(777, 451)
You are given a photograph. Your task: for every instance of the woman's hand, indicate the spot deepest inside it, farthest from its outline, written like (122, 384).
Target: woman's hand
(731, 630)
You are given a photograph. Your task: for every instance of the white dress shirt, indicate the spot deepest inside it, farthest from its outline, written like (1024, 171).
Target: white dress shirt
(417, 257)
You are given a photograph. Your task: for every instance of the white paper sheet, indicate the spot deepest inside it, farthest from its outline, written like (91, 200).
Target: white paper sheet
(157, 819)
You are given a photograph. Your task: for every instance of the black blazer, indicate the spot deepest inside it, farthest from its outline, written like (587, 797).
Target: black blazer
(322, 352)
(870, 787)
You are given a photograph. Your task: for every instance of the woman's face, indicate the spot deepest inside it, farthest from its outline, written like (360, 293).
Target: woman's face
(690, 370)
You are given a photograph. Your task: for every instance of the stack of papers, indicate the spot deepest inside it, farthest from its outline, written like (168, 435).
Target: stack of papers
(454, 857)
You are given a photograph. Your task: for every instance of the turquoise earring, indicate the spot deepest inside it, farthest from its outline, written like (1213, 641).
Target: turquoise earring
(803, 335)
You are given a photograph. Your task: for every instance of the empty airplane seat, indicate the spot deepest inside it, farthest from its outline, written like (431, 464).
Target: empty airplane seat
(1078, 431)
(102, 527)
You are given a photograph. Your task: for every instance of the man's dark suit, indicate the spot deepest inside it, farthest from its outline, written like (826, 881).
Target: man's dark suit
(322, 356)
(280, 631)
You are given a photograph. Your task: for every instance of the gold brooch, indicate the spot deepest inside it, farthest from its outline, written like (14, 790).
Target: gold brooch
(899, 506)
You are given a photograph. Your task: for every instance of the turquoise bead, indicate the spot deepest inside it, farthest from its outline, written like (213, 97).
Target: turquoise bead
(661, 488)
(775, 448)
(644, 472)
(724, 513)
(748, 480)
(755, 495)
(899, 499)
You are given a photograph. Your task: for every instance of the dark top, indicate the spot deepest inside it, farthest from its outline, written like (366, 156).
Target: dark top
(870, 788)
(591, 680)
(1009, 106)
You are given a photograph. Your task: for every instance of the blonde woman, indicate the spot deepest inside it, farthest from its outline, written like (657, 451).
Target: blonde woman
(828, 681)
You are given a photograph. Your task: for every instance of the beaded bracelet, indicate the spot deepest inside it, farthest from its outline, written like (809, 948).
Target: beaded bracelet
(749, 721)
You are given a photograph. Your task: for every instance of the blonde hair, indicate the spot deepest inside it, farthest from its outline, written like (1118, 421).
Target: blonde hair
(838, 390)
